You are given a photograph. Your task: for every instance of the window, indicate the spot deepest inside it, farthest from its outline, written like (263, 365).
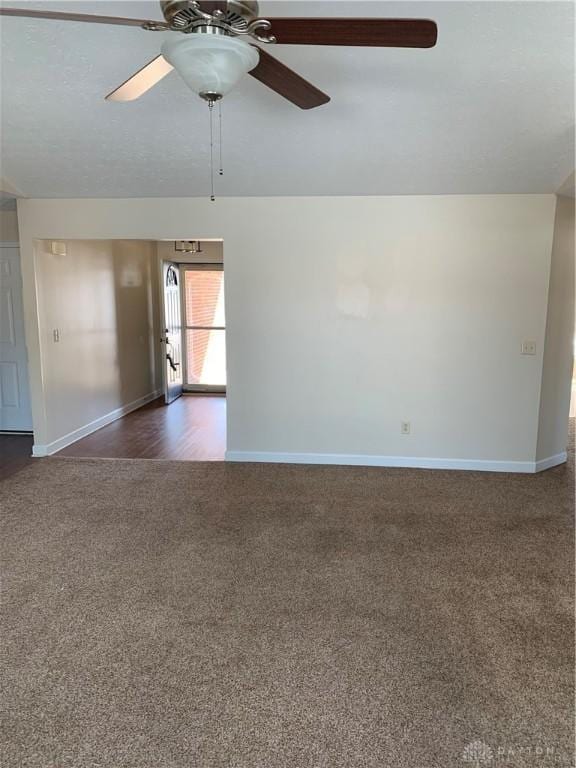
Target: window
(205, 341)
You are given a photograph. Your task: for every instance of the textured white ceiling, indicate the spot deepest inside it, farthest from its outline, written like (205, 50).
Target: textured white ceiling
(490, 109)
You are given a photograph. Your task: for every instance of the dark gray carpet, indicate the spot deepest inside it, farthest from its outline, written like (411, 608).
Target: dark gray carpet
(164, 614)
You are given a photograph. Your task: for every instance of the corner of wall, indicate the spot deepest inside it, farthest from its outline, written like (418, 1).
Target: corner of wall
(9, 227)
(558, 358)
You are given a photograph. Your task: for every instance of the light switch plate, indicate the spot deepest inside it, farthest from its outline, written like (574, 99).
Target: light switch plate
(58, 248)
(528, 347)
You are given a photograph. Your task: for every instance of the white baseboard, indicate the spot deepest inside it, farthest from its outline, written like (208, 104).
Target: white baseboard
(551, 461)
(412, 462)
(57, 445)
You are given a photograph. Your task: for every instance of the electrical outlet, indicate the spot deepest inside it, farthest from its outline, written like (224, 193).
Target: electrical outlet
(405, 427)
(56, 335)
(528, 347)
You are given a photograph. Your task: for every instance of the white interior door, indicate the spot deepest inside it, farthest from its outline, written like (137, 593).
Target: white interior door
(15, 410)
(172, 336)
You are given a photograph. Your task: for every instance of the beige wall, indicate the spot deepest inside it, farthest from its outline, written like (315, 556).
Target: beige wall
(348, 315)
(558, 356)
(99, 299)
(8, 227)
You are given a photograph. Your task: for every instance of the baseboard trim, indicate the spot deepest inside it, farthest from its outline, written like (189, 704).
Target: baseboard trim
(25, 432)
(408, 462)
(48, 449)
(551, 461)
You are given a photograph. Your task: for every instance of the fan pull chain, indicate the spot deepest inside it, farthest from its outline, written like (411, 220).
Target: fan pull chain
(221, 169)
(210, 108)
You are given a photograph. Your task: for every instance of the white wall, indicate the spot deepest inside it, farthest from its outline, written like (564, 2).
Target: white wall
(99, 299)
(347, 315)
(558, 355)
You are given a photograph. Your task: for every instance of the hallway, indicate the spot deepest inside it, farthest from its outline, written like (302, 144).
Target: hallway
(192, 428)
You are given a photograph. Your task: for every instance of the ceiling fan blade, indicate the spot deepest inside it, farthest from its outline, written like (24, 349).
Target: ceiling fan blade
(287, 83)
(142, 81)
(394, 33)
(88, 17)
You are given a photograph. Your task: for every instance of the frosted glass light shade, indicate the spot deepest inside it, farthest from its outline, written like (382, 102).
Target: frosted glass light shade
(210, 64)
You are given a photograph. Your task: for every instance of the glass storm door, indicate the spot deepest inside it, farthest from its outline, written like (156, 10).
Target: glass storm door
(172, 338)
(205, 335)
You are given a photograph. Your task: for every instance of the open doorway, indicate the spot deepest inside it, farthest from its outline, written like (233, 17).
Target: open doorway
(193, 342)
(108, 354)
(193, 312)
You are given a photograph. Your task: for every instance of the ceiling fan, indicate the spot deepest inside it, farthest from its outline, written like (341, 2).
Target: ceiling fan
(211, 57)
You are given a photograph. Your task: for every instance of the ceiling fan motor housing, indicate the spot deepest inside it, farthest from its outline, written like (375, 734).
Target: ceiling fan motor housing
(234, 13)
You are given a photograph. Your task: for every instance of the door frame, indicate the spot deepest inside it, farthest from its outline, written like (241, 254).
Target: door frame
(198, 389)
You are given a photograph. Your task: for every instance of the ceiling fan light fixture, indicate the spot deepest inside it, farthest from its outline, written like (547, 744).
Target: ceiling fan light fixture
(188, 246)
(210, 65)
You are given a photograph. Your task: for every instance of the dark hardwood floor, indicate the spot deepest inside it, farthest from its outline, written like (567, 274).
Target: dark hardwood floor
(15, 453)
(191, 428)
